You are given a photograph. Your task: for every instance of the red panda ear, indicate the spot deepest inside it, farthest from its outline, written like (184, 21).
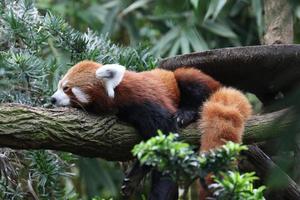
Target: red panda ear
(112, 76)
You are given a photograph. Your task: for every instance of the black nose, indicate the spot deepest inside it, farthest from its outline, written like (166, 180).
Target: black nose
(53, 100)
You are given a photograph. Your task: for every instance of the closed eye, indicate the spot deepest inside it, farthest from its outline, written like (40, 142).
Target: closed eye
(66, 89)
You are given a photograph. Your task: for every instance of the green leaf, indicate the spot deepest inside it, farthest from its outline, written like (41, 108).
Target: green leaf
(195, 3)
(174, 49)
(258, 11)
(219, 29)
(134, 6)
(184, 43)
(214, 9)
(298, 12)
(196, 40)
(110, 20)
(237, 7)
(165, 42)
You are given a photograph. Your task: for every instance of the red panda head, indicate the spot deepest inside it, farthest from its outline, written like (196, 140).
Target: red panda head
(88, 83)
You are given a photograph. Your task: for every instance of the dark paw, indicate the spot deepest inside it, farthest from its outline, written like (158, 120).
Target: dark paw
(128, 187)
(184, 117)
(133, 179)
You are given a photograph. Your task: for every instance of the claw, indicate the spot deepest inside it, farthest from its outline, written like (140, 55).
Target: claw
(126, 180)
(126, 187)
(126, 191)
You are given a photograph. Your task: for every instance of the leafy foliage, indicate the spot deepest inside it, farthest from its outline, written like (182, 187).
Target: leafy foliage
(171, 27)
(235, 186)
(43, 171)
(179, 161)
(172, 157)
(31, 62)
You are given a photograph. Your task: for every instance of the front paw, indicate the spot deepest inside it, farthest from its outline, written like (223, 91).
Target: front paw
(184, 117)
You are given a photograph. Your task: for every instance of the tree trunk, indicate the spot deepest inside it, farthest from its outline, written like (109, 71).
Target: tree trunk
(72, 130)
(278, 22)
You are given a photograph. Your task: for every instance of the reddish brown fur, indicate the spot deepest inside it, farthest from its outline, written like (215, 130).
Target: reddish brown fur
(156, 86)
(168, 78)
(196, 76)
(223, 118)
(81, 74)
(223, 114)
(145, 86)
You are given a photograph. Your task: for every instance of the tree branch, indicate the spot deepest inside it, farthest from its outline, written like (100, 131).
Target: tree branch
(72, 130)
(262, 70)
(265, 168)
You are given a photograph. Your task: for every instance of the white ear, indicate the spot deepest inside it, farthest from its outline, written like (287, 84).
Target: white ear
(112, 76)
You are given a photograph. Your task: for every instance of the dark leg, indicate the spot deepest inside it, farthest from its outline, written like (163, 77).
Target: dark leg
(147, 118)
(163, 187)
(193, 94)
(133, 179)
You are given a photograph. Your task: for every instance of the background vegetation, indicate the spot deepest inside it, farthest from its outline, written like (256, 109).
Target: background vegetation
(36, 50)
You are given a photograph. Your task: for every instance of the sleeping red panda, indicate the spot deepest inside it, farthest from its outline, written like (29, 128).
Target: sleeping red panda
(153, 100)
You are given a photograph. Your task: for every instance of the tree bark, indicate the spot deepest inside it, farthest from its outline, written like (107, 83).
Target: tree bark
(278, 22)
(72, 130)
(263, 70)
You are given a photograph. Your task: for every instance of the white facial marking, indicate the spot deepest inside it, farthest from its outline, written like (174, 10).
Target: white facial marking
(61, 99)
(80, 95)
(112, 76)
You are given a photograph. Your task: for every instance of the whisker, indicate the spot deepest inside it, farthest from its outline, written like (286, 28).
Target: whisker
(81, 106)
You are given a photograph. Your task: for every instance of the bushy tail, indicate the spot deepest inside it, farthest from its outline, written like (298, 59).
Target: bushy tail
(223, 117)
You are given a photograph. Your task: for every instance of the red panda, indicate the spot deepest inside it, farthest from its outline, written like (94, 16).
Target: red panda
(152, 100)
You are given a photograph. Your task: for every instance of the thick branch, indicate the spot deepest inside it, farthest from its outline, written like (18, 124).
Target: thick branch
(262, 70)
(24, 127)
